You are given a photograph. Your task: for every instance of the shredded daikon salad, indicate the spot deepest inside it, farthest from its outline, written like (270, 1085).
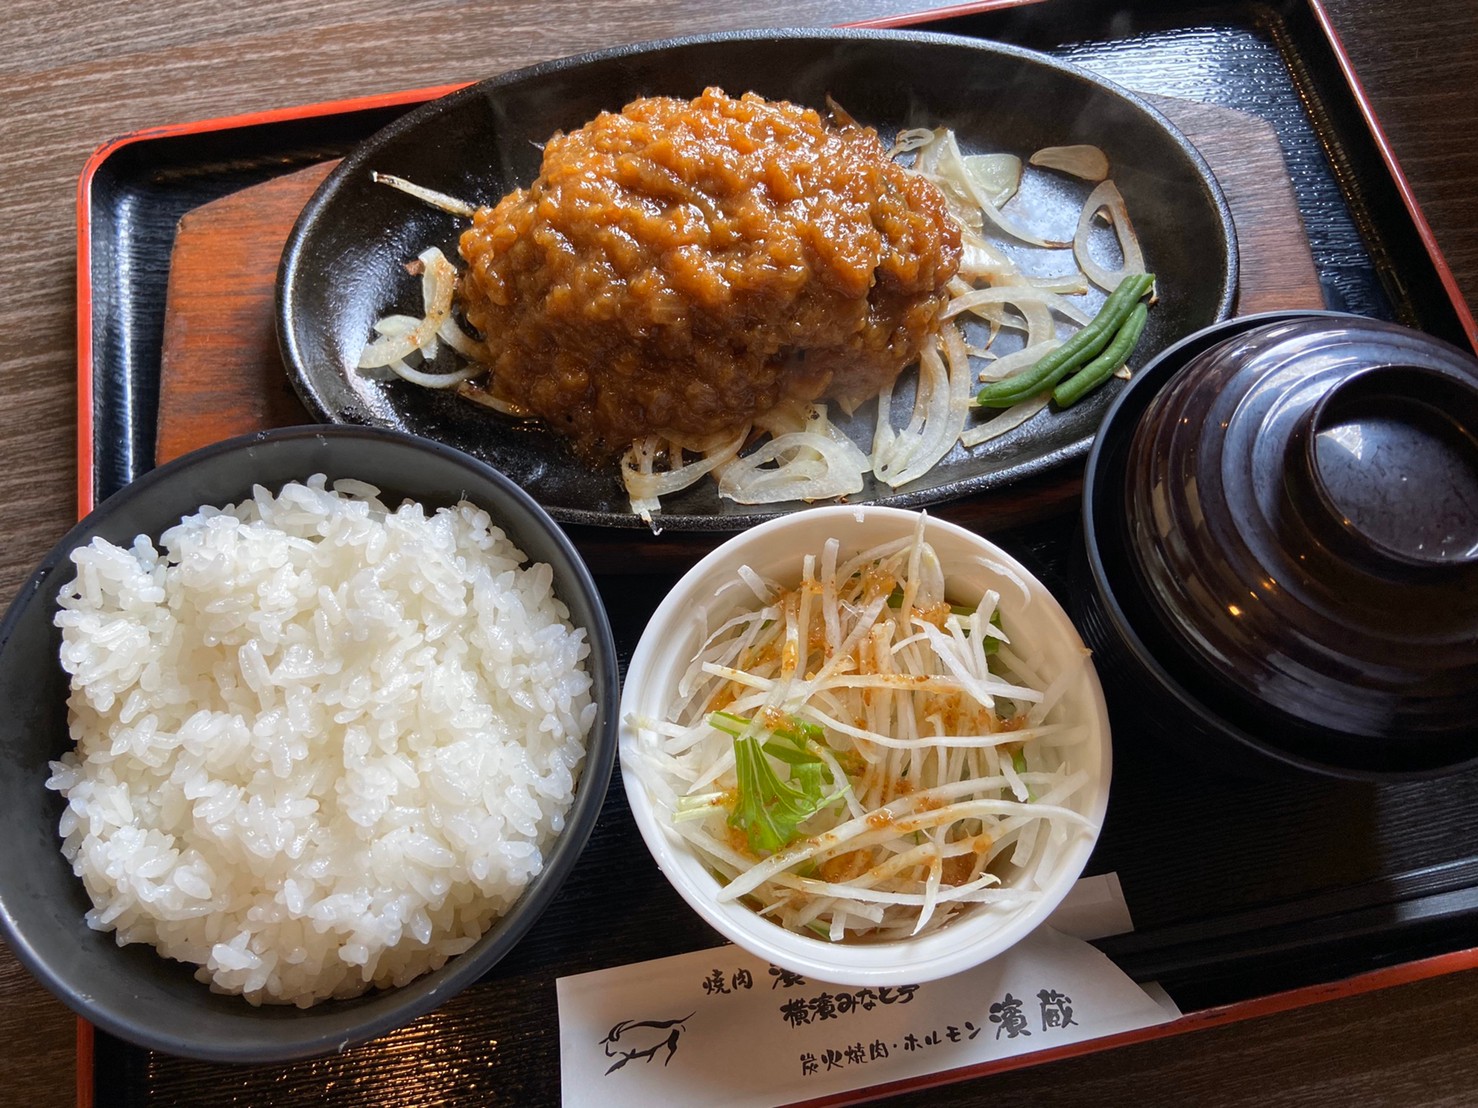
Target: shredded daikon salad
(1019, 293)
(864, 754)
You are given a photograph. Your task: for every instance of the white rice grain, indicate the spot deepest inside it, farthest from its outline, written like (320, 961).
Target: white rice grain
(320, 746)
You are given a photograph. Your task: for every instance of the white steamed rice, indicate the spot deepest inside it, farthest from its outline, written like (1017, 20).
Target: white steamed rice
(320, 745)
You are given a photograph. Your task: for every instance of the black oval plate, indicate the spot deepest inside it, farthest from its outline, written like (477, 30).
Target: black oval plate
(344, 264)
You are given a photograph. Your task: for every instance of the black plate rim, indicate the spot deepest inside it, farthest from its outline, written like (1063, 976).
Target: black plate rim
(295, 249)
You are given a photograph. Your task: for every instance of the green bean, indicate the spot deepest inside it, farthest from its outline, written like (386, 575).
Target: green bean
(1101, 368)
(1089, 341)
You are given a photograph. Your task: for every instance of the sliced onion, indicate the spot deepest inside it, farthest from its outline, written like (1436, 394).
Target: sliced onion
(1066, 284)
(1088, 162)
(807, 465)
(997, 175)
(1024, 358)
(941, 407)
(639, 458)
(459, 340)
(644, 481)
(645, 485)
(905, 142)
(1036, 305)
(931, 400)
(397, 325)
(794, 415)
(488, 400)
(438, 282)
(946, 165)
(1106, 197)
(928, 143)
(959, 287)
(1020, 295)
(426, 196)
(1010, 419)
(980, 261)
(393, 326)
(1034, 319)
(432, 380)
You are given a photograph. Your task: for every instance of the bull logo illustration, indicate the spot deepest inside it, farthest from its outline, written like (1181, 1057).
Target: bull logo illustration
(644, 1038)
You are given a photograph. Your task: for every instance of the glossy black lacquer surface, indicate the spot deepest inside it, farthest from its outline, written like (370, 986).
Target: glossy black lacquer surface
(1280, 516)
(1241, 883)
(131, 991)
(344, 265)
(134, 204)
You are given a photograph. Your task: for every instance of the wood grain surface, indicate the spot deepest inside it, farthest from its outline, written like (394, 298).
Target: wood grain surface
(220, 373)
(73, 76)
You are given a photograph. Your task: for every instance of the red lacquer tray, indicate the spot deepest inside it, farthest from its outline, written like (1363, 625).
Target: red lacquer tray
(1350, 887)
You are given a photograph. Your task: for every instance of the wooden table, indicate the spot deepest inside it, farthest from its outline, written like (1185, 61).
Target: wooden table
(70, 80)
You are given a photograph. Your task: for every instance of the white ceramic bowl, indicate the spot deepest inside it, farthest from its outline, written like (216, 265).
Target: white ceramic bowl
(775, 550)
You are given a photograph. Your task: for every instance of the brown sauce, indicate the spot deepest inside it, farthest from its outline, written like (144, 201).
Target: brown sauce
(846, 867)
(681, 267)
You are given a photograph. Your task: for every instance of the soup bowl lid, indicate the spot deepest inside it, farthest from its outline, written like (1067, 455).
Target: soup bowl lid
(1301, 516)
